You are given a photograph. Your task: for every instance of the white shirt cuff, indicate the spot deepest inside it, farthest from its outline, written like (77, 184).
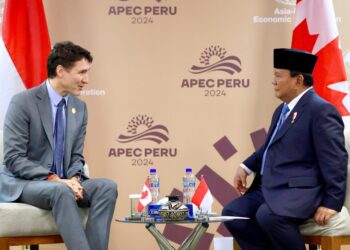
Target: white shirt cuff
(249, 172)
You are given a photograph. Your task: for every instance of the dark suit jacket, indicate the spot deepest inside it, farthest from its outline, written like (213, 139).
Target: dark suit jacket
(306, 164)
(28, 140)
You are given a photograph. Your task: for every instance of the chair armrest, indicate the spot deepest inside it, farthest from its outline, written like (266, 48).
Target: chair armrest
(86, 170)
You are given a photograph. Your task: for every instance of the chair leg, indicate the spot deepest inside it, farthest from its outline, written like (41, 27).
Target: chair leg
(4, 244)
(330, 243)
(34, 247)
(312, 247)
(235, 245)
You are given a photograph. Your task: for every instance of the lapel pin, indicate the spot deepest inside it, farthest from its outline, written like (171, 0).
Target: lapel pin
(294, 116)
(74, 110)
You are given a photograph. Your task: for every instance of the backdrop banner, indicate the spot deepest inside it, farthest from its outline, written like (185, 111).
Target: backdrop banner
(177, 84)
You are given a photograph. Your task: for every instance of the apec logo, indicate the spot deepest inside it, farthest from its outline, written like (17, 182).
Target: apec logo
(286, 2)
(142, 128)
(216, 59)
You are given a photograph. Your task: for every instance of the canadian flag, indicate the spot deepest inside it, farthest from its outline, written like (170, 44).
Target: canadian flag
(146, 197)
(24, 48)
(316, 31)
(202, 197)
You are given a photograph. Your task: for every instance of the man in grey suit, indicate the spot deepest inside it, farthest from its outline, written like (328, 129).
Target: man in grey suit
(44, 134)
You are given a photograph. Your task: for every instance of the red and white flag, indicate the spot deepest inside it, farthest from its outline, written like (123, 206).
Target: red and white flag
(24, 48)
(146, 197)
(316, 31)
(202, 197)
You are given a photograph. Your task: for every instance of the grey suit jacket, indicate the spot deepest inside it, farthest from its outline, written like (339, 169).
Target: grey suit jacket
(28, 141)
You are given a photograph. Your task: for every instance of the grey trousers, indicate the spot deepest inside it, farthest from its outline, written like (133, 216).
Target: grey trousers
(99, 195)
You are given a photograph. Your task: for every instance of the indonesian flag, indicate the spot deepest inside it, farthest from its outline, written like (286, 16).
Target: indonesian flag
(316, 31)
(202, 197)
(146, 197)
(24, 48)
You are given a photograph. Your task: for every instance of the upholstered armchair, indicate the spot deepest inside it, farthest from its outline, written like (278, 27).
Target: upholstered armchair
(337, 231)
(23, 224)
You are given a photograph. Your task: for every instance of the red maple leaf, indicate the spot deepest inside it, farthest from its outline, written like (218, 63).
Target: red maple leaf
(302, 39)
(144, 194)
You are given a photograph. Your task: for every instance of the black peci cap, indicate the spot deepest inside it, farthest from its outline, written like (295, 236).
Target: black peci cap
(293, 59)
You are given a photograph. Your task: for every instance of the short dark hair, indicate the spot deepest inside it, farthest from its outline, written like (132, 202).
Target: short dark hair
(65, 54)
(308, 78)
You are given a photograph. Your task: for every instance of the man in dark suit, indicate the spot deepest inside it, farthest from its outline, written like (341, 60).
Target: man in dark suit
(300, 170)
(44, 135)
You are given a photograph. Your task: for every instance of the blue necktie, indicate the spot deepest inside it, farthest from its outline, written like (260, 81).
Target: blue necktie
(59, 140)
(284, 111)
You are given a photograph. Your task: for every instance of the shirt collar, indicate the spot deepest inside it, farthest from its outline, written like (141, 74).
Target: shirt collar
(55, 97)
(294, 102)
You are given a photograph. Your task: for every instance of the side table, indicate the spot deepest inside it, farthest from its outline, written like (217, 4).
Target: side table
(191, 242)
